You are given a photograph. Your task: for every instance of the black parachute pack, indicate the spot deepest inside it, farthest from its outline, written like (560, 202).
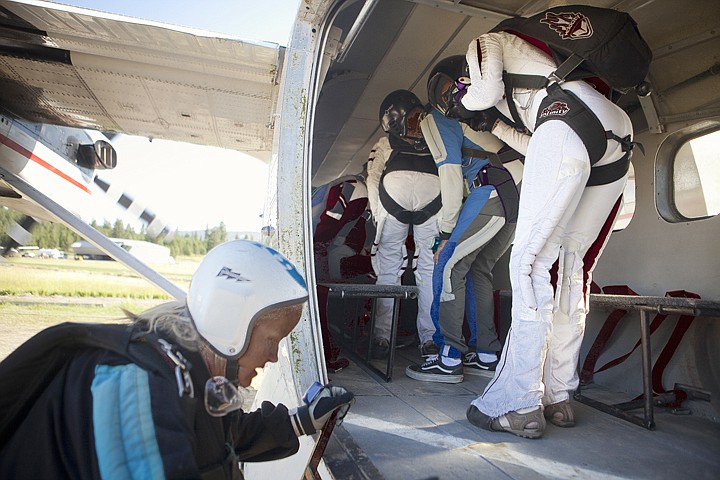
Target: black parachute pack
(585, 42)
(599, 45)
(27, 370)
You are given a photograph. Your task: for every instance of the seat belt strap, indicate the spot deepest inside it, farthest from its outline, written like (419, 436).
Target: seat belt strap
(588, 368)
(668, 351)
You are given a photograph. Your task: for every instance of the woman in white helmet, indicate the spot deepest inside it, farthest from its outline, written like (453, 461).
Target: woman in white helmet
(159, 399)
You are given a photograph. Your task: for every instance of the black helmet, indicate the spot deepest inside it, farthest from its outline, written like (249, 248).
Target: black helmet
(447, 77)
(395, 110)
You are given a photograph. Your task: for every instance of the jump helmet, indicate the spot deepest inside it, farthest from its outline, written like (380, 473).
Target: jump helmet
(234, 284)
(447, 78)
(395, 112)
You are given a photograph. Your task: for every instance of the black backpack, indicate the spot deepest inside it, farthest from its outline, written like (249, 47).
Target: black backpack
(27, 370)
(584, 42)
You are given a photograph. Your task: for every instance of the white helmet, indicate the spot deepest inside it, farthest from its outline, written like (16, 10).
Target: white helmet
(235, 283)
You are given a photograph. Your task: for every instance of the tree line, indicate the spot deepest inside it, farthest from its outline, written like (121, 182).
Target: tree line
(57, 235)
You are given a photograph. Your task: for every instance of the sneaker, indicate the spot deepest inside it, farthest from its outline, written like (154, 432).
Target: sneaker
(429, 349)
(560, 414)
(434, 370)
(474, 366)
(530, 424)
(380, 348)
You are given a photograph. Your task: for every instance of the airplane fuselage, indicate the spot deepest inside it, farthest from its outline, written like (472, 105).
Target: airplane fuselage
(44, 155)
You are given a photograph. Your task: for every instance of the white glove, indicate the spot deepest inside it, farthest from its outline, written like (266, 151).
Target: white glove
(312, 417)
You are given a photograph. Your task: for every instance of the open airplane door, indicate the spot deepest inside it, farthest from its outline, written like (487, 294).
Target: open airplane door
(288, 229)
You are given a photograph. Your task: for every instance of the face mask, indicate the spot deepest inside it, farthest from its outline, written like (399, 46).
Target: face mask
(222, 397)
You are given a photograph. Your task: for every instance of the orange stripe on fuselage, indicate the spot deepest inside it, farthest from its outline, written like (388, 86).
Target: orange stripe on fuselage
(31, 156)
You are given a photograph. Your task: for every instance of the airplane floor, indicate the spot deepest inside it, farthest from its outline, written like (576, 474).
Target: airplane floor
(406, 429)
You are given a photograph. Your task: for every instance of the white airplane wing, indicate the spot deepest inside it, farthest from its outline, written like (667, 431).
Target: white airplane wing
(83, 68)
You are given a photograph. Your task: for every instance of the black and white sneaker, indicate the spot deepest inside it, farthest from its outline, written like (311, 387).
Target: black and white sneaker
(434, 370)
(474, 366)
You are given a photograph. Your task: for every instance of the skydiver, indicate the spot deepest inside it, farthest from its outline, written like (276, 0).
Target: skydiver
(166, 404)
(566, 213)
(404, 192)
(475, 231)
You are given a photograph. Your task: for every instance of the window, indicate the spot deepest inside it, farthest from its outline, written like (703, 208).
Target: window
(696, 177)
(687, 173)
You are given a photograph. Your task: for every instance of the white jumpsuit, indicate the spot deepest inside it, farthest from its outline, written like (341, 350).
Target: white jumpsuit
(413, 191)
(559, 219)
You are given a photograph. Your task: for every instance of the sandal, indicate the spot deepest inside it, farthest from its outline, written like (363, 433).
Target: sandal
(526, 425)
(560, 414)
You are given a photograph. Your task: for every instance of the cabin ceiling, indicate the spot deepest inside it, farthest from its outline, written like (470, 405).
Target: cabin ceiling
(402, 40)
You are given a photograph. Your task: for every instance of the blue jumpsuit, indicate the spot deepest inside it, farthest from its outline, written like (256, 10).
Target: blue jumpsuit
(477, 233)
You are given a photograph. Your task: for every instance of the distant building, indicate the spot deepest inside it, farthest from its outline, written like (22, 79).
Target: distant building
(146, 252)
(50, 253)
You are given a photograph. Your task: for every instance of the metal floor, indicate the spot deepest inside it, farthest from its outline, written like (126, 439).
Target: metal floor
(406, 429)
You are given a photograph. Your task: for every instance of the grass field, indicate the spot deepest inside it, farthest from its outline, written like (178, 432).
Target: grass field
(87, 278)
(36, 293)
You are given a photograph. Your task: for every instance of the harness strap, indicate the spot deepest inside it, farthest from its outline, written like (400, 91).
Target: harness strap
(414, 163)
(564, 105)
(504, 184)
(409, 162)
(499, 177)
(625, 142)
(565, 68)
(406, 216)
(519, 80)
(511, 104)
(604, 174)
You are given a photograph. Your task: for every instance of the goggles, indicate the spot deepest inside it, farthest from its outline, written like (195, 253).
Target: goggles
(445, 93)
(222, 397)
(413, 123)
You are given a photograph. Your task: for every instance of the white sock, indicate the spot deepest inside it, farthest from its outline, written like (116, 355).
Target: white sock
(487, 357)
(450, 362)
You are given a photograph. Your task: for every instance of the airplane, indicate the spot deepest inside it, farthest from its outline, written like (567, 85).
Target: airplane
(311, 111)
(66, 162)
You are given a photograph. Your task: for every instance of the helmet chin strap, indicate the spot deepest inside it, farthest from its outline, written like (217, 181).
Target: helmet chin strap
(231, 371)
(218, 365)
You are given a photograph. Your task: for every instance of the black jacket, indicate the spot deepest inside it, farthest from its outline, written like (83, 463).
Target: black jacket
(98, 410)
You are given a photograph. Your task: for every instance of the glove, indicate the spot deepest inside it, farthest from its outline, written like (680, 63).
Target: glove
(312, 417)
(485, 120)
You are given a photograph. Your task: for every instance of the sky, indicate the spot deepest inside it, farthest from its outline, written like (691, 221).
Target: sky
(189, 186)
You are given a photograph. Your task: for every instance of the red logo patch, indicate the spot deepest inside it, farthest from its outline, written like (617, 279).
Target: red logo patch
(555, 108)
(569, 25)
